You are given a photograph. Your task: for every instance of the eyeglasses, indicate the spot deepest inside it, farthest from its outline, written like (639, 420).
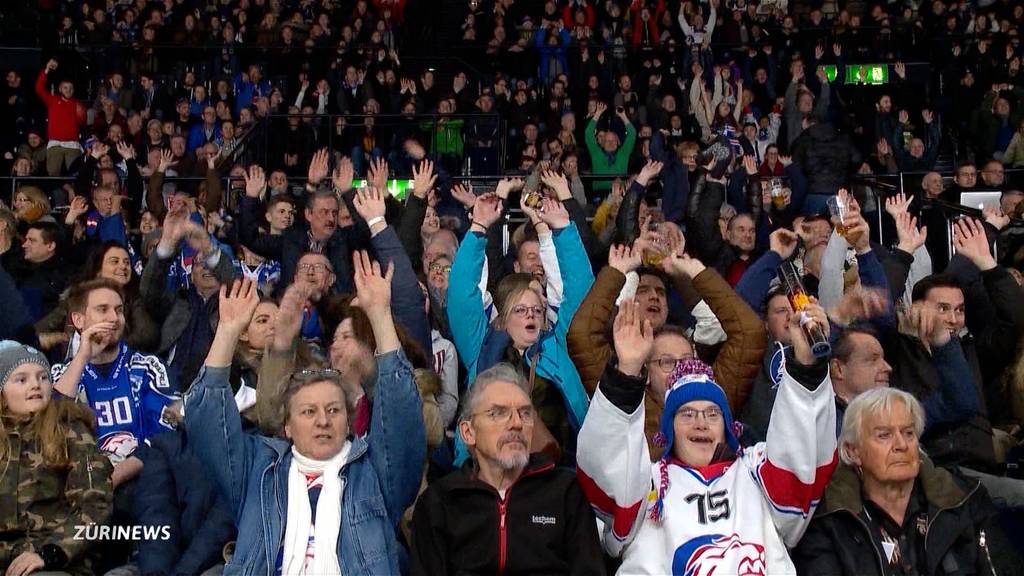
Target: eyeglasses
(440, 268)
(524, 311)
(503, 414)
(311, 372)
(314, 268)
(667, 363)
(711, 414)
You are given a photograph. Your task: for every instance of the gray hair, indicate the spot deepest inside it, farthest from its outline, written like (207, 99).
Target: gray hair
(875, 401)
(502, 372)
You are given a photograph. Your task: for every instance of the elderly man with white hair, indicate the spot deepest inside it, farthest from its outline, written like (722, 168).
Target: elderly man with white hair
(889, 510)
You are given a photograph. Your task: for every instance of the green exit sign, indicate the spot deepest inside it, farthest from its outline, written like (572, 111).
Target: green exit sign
(397, 188)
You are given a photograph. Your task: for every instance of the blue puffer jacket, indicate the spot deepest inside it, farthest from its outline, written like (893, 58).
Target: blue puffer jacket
(480, 346)
(381, 477)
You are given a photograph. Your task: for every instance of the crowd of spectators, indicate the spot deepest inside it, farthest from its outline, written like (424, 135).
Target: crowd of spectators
(639, 286)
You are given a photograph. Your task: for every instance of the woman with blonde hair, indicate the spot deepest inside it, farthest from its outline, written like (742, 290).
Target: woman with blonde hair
(30, 204)
(55, 477)
(522, 334)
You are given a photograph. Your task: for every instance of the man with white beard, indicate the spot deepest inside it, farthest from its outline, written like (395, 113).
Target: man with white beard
(506, 510)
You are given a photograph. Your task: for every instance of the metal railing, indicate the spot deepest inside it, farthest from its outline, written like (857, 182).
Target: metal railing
(426, 126)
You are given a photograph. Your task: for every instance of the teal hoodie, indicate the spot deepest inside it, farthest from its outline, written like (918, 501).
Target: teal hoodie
(480, 346)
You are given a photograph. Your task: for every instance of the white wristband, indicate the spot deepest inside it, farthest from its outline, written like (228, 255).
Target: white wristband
(372, 221)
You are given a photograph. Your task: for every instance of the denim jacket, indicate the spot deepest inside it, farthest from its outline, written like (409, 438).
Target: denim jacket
(380, 479)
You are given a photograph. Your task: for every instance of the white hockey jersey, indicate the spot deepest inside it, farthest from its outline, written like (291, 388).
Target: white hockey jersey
(729, 518)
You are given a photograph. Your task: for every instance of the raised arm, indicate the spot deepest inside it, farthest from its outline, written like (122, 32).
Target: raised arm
(795, 463)
(465, 305)
(746, 340)
(407, 298)
(249, 213)
(587, 338)
(613, 460)
(210, 410)
(398, 443)
(153, 284)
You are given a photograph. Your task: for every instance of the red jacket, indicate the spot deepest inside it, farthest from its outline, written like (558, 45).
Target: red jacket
(64, 116)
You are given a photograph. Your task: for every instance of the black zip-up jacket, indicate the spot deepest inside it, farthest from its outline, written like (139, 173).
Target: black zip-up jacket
(544, 525)
(961, 532)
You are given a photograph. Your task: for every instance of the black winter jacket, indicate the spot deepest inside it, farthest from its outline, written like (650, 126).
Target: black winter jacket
(996, 321)
(826, 157)
(544, 525)
(962, 535)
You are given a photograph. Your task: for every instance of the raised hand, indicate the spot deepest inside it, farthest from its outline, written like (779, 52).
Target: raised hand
(557, 182)
(532, 213)
(554, 214)
(166, 160)
(79, 205)
(970, 240)
(463, 193)
(197, 237)
(678, 266)
(882, 148)
(786, 160)
(994, 216)
(910, 237)
(651, 169)
(783, 242)
(255, 181)
(369, 203)
(343, 175)
(377, 175)
(373, 288)
(423, 178)
(173, 229)
(904, 117)
(51, 65)
(487, 210)
(289, 316)
(126, 150)
(898, 204)
(923, 321)
(901, 69)
(237, 305)
(927, 116)
(811, 315)
(504, 188)
(633, 337)
(750, 165)
(860, 303)
(317, 167)
(819, 51)
(625, 258)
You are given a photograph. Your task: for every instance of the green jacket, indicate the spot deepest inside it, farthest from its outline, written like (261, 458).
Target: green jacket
(447, 137)
(601, 162)
(41, 505)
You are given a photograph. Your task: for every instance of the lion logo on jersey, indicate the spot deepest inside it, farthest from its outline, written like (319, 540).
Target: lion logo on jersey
(118, 446)
(719, 554)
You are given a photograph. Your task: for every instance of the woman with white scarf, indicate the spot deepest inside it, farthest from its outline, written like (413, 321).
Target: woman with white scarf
(321, 502)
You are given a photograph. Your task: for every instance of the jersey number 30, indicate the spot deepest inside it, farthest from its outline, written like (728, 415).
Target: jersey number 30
(117, 411)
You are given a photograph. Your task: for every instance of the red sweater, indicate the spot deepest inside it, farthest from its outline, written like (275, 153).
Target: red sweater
(64, 116)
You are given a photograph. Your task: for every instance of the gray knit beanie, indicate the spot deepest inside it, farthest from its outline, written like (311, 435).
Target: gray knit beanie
(14, 354)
